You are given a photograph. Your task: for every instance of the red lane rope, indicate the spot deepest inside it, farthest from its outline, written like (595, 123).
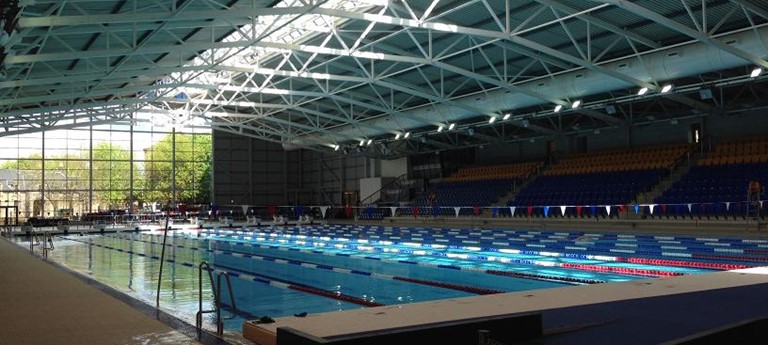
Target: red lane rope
(335, 295)
(472, 289)
(622, 270)
(679, 263)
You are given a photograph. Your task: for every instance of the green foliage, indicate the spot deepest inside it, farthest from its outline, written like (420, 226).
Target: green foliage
(111, 170)
(111, 174)
(33, 162)
(192, 171)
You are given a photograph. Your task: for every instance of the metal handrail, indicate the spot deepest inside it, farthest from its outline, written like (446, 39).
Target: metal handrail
(219, 322)
(200, 311)
(162, 259)
(33, 240)
(369, 199)
(231, 293)
(216, 288)
(47, 244)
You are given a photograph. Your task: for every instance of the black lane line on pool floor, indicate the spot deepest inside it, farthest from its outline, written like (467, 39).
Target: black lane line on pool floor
(520, 275)
(532, 276)
(260, 278)
(312, 265)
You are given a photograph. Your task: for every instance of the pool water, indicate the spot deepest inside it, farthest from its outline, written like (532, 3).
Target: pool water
(279, 272)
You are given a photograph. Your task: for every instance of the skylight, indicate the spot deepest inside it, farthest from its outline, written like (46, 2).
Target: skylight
(283, 29)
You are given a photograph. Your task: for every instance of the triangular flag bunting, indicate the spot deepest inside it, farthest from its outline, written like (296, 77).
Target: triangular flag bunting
(562, 210)
(393, 209)
(650, 207)
(512, 210)
(608, 209)
(728, 205)
(457, 209)
(323, 210)
(689, 207)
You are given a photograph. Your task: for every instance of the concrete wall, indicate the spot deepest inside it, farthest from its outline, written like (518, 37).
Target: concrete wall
(394, 168)
(249, 171)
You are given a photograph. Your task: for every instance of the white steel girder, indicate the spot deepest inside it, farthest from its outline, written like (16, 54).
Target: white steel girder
(324, 93)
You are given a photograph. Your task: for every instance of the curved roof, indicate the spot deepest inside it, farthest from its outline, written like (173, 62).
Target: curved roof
(358, 75)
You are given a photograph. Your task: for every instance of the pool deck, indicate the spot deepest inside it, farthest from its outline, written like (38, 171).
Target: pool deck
(43, 304)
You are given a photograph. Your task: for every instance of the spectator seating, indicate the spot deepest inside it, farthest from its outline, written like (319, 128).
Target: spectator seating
(717, 186)
(587, 189)
(752, 150)
(469, 187)
(647, 158)
(520, 171)
(601, 178)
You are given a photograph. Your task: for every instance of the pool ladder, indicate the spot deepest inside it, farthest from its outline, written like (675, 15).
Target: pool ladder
(46, 244)
(216, 287)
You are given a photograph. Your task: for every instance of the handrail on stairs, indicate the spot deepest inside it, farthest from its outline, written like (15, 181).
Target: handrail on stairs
(369, 199)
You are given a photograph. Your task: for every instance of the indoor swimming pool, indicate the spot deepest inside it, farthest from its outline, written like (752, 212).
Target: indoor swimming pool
(285, 271)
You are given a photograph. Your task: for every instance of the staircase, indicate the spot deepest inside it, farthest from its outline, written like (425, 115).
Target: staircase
(678, 171)
(515, 189)
(502, 202)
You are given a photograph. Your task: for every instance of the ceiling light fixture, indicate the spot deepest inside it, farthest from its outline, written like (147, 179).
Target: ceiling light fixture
(575, 104)
(506, 116)
(407, 134)
(439, 128)
(756, 72)
(451, 126)
(666, 88)
(642, 91)
(492, 119)
(706, 93)
(558, 108)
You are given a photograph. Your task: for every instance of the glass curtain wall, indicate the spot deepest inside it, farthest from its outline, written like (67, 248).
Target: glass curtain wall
(104, 170)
